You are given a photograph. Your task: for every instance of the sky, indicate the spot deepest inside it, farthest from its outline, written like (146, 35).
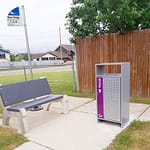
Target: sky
(43, 18)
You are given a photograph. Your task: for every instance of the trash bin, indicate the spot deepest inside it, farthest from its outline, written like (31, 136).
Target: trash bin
(112, 92)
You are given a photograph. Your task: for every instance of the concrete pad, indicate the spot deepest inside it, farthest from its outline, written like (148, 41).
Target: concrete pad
(35, 119)
(136, 110)
(146, 115)
(75, 131)
(31, 145)
(90, 107)
(74, 103)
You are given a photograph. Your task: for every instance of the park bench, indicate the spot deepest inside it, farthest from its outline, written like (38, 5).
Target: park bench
(16, 99)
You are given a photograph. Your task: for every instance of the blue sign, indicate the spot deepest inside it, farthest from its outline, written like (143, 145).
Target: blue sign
(15, 17)
(14, 12)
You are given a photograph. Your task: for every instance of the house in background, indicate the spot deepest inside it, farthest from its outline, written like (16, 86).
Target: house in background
(4, 55)
(64, 52)
(43, 56)
(50, 55)
(67, 50)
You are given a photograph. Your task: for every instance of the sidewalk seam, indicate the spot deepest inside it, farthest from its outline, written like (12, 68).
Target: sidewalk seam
(41, 145)
(81, 105)
(85, 112)
(143, 112)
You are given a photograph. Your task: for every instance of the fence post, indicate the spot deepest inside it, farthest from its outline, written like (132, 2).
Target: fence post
(25, 75)
(73, 77)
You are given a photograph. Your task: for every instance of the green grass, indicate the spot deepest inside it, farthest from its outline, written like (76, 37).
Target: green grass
(9, 139)
(135, 137)
(139, 100)
(60, 82)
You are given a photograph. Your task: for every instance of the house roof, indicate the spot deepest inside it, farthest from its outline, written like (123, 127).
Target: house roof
(2, 51)
(67, 47)
(37, 55)
(55, 52)
(58, 54)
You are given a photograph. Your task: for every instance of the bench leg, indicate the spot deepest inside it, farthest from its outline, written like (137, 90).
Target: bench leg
(5, 118)
(65, 106)
(22, 117)
(48, 107)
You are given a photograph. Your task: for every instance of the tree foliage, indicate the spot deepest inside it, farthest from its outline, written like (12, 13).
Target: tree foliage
(12, 57)
(22, 57)
(92, 17)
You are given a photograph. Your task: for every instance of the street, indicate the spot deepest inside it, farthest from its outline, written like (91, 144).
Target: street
(36, 70)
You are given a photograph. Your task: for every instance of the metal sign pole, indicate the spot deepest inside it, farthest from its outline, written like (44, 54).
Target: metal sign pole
(60, 44)
(25, 75)
(27, 43)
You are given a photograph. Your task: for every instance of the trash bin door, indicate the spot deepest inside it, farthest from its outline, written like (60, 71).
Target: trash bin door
(111, 94)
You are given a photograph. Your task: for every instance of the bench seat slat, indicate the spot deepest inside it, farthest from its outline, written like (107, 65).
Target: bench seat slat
(34, 103)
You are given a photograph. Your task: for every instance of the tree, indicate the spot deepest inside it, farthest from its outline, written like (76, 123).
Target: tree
(22, 57)
(18, 58)
(12, 57)
(92, 17)
(25, 56)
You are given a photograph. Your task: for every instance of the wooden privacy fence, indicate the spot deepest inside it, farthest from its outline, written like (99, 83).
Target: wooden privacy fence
(133, 47)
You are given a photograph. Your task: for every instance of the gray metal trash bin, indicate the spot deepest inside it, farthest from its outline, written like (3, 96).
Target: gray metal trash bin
(112, 92)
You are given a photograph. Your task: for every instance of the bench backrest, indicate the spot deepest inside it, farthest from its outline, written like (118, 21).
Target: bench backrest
(18, 92)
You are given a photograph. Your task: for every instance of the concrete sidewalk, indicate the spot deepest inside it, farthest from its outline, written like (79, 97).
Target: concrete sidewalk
(78, 130)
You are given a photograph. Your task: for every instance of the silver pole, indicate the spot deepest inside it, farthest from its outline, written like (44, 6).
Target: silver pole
(76, 65)
(25, 75)
(73, 76)
(27, 43)
(60, 44)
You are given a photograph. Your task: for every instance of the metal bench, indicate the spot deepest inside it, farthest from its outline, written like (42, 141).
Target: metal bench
(20, 97)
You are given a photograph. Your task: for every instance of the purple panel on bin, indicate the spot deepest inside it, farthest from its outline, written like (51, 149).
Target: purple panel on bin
(99, 89)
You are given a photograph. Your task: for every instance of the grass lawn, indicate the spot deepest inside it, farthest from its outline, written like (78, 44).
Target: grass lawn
(9, 139)
(135, 137)
(61, 83)
(139, 100)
